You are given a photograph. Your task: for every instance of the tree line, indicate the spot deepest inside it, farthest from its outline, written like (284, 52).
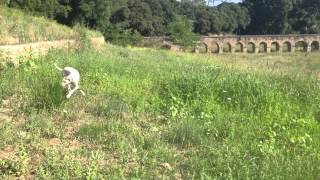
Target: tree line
(130, 18)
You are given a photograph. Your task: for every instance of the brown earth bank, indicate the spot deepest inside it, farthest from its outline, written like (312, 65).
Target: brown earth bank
(11, 52)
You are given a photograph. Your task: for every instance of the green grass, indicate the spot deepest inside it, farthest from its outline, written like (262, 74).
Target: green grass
(210, 117)
(19, 27)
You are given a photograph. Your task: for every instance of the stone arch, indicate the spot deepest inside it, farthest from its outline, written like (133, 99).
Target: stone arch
(226, 47)
(251, 47)
(202, 48)
(215, 48)
(286, 47)
(315, 46)
(263, 47)
(301, 46)
(275, 47)
(238, 47)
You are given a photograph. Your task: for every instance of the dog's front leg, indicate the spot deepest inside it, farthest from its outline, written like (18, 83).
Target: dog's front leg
(68, 86)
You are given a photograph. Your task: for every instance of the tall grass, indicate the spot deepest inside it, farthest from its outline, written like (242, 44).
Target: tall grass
(38, 85)
(19, 27)
(148, 107)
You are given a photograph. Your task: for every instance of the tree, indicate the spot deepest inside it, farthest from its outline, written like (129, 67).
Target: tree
(305, 16)
(162, 14)
(181, 32)
(202, 22)
(269, 16)
(169, 8)
(187, 9)
(216, 20)
(48, 8)
(140, 17)
(235, 18)
(91, 13)
(121, 17)
(195, 2)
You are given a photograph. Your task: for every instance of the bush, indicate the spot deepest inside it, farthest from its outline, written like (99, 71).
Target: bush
(122, 37)
(82, 39)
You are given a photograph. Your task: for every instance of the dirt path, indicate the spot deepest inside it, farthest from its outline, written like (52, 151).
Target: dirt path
(13, 51)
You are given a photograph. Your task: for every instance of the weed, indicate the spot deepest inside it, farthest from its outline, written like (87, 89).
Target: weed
(40, 126)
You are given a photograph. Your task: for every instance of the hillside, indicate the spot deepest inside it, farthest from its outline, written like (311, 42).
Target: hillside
(155, 114)
(17, 27)
(152, 113)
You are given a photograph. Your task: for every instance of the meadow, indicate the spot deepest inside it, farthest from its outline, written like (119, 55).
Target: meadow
(154, 114)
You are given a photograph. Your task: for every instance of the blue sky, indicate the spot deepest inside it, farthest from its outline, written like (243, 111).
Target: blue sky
(217, 2)
(235, 1)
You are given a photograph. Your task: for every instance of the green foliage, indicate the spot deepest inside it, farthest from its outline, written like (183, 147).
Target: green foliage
(305, 16)
(152, 17)
(48, 8)
(90, 13)
(15, 167)
(147, 17)
(83, 38)
(140, 17)
(234, 18)
(48, 93)
(264, 18)
(118, 36)
(40, 126)
(181, 32)
(109, 107)
(202, 23)
(38, 83)
(67, 166)
(186, 133)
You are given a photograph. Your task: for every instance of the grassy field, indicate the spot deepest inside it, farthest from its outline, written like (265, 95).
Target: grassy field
(153, 114)
(17, 27)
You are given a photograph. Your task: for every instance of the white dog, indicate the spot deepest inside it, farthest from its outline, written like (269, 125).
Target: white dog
(71, 79)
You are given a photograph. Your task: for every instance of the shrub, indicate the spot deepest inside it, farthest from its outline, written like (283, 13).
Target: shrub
(122, 37)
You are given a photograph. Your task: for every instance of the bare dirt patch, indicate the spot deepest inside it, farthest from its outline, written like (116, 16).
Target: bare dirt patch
(54, 142)
(5, 115)
(9, 152)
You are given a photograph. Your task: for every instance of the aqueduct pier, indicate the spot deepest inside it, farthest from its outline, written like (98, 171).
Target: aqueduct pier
(258, 43)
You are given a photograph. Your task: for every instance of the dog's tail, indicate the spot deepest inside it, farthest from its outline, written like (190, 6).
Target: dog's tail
(60, 69)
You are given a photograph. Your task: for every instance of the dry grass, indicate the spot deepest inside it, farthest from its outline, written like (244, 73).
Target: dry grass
(17, 27)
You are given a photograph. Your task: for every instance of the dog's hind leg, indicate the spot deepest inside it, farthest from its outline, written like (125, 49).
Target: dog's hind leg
(72, 91)
(82, 92)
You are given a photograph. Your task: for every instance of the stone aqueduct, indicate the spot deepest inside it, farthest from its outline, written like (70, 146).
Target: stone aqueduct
(248, 43)
(259, 43)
